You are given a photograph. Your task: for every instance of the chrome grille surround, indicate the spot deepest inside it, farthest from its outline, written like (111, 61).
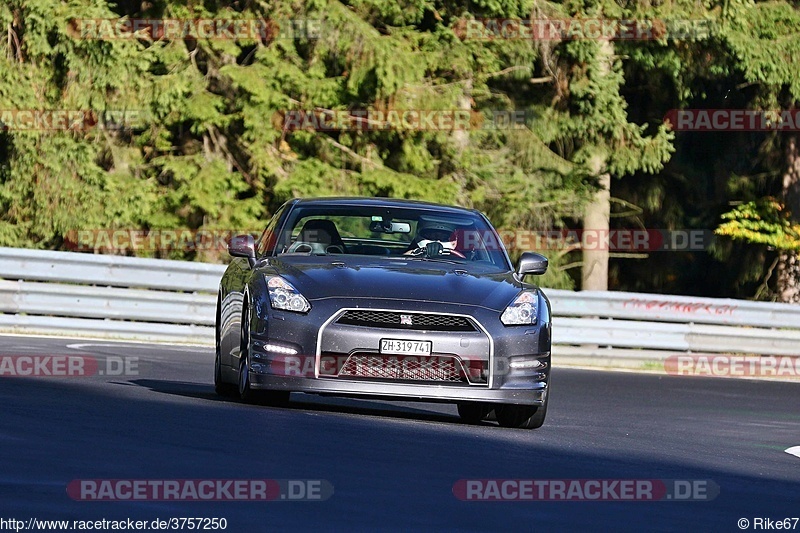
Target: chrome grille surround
(476, 328)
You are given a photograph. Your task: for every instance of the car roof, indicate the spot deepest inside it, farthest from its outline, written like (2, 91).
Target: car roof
(382, 202)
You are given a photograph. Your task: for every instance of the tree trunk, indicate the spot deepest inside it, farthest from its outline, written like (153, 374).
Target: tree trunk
(594, 270)
(461, 137)
(789, 262)
(461, 142)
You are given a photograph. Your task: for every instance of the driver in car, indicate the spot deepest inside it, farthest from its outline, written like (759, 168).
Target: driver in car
(435, 238)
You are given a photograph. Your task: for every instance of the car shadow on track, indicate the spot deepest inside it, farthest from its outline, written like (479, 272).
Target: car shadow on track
(310, 403)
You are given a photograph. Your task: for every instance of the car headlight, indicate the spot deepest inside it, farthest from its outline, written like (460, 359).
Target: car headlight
(283, 296)
(522, 310)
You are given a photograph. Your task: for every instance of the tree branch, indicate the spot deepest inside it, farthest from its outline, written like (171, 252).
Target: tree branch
(764, 288)
(351, 153)
(506, 71)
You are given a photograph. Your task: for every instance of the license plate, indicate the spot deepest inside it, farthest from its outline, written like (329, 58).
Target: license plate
(404, 347)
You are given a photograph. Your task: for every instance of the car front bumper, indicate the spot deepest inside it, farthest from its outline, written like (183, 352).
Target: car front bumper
(316, 335)
(398, 390)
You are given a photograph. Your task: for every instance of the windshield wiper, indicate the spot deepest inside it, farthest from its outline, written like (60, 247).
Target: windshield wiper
(433, 259)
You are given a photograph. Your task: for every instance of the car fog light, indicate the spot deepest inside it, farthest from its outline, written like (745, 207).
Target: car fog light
(277, 348)
(525, 364)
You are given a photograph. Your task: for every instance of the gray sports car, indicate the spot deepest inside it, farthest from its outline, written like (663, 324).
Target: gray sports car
(372, 297)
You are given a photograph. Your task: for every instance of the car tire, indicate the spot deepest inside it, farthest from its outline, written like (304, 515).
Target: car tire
(473, 412)
(246, 394)
(220, 387)
(521, 416)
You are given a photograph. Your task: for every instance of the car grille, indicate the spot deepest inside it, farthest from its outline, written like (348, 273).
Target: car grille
(398, 320)
(376, 366)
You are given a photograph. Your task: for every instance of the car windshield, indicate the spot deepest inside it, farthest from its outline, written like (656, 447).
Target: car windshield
(393, 233)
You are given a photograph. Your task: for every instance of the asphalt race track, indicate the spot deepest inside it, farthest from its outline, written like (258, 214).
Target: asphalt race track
(392, 465)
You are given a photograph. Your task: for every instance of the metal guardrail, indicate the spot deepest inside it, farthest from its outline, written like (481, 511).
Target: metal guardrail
(109, 270)
(106, 296)
(57, 299)
(151, 299)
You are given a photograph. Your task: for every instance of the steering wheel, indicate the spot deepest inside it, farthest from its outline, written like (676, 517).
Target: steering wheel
(434, 249)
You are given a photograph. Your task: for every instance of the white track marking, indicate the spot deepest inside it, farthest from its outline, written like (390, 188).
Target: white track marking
(794, 450)
(171, 348)
(104, 340)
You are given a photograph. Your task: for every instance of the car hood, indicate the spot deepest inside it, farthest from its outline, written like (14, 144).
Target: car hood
(363, 277)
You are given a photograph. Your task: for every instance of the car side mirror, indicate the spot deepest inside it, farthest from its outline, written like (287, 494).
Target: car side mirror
(532, 263)
(243, 246)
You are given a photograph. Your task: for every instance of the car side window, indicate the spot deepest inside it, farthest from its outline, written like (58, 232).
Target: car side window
(266, 243)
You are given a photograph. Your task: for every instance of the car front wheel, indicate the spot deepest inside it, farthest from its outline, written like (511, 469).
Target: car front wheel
(473, 412)
(246, 394)
(521, 416)
(220, 387)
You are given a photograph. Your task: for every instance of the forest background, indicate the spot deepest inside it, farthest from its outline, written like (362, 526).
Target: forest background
(191, 130)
